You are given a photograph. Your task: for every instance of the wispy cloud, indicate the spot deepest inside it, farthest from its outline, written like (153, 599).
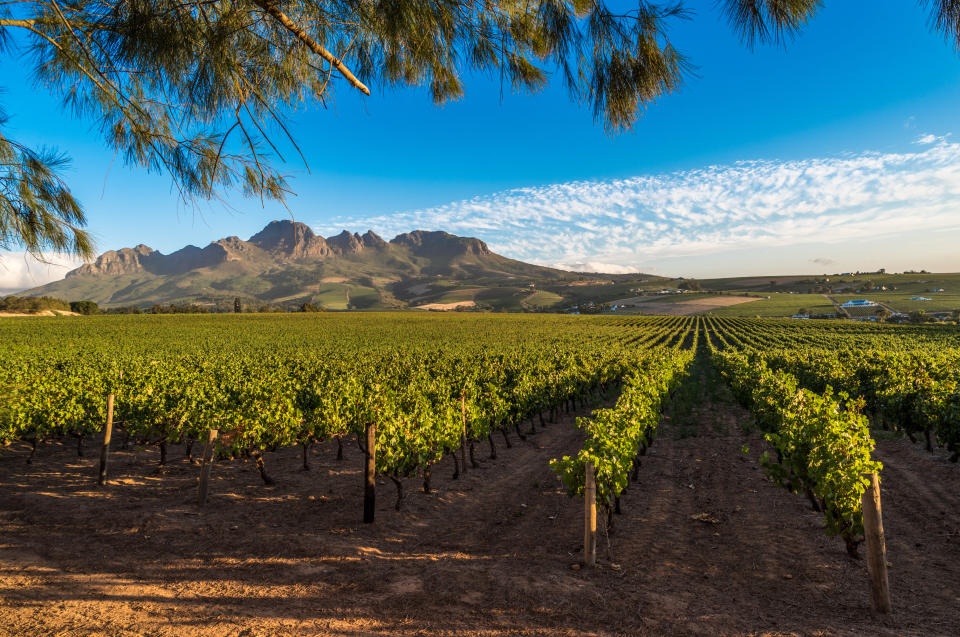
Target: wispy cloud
(929, 138)
(634, 222)
(20, 271)
(594, 266)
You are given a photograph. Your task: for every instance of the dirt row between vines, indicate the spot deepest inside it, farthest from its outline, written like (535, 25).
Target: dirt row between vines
(489, 554)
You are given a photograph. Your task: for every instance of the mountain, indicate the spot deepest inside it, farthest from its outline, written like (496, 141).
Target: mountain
(286, 264)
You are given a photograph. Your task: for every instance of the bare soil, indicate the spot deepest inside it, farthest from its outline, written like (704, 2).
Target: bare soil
(691, 307)
(721, 301)
(671, 306)
(445, 306)
(39, 313)
(577, 284)
(493, 553)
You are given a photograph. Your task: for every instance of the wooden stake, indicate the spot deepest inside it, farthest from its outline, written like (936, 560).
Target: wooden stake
(370, 475)
(876, 545)
(463, 433)
(590, 518)
(206, 464)
(105, 447)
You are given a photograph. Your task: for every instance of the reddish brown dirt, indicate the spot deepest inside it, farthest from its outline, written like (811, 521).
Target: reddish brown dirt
(490, 554)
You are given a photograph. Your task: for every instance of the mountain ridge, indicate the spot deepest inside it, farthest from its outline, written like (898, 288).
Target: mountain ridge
(287, 264)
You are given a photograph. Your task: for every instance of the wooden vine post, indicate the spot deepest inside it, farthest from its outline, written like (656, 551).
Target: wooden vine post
(105, 447)
(206, 463)
(590, 518)
(370, 475)
(876, 545)
(463, 432)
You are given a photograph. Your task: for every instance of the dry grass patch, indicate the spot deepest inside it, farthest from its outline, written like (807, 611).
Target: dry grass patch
(720, 301)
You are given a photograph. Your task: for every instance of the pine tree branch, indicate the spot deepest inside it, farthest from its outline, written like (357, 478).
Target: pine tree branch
(271, 8)
(9, 22)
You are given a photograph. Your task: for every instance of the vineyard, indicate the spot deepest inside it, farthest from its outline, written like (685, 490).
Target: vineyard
(728, 458)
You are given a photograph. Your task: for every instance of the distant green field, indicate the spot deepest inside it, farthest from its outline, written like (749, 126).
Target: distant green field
(542, 298)
(334, 296)
(913, 284)
(456, 295)
(900, 301)
(362, 297)
(779, 304)
(508, 298)
(916, 284)
(599, 292)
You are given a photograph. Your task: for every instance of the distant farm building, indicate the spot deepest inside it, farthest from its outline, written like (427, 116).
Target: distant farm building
(859, 303)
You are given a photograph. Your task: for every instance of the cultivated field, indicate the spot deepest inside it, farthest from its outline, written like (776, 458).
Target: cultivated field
(676, 414)
(679, 305)
(779, 304)
(904, 301)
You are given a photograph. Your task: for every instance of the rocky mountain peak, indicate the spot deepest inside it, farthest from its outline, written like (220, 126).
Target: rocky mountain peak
(233, 248)
(440, 243)
(346, 243)
(291, 240)
(114, 262)
(371, 239)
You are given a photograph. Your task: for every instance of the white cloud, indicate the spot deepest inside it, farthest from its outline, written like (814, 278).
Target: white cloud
(20, 271)
(599, 268)
(640, 221)
(930, 138)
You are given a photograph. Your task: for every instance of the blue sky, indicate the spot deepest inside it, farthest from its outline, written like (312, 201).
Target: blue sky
(800, 150)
